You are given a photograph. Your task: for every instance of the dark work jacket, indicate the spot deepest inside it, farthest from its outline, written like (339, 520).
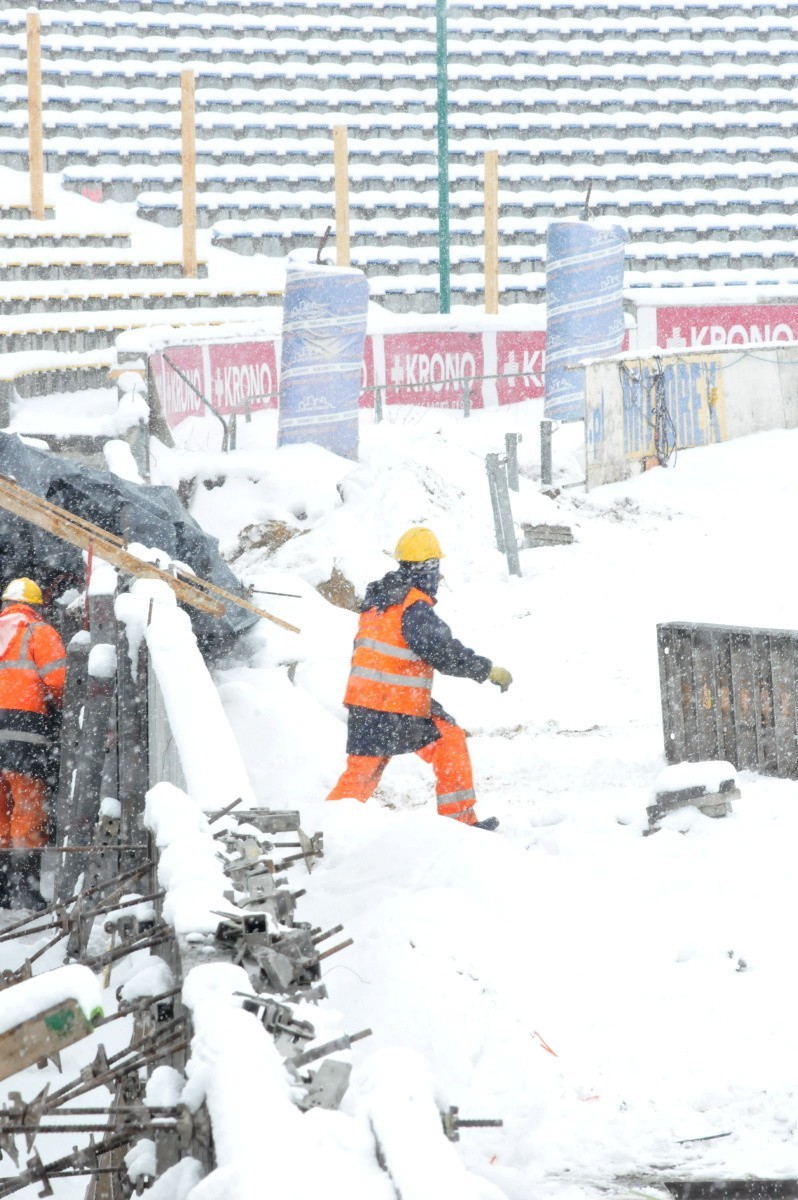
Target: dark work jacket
(381, 734)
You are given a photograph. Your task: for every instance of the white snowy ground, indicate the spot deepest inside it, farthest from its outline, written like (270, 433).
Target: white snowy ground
(582, 982)
(607, 995)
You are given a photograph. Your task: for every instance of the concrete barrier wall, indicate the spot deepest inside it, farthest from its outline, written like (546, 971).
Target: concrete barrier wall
(706, 398)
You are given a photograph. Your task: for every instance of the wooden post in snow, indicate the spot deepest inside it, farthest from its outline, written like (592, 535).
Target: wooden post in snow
(341, 156)
(35, 137)
(492, 231)
(189, 152)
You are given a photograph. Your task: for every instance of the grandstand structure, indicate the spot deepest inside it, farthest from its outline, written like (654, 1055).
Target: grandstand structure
(682, 119)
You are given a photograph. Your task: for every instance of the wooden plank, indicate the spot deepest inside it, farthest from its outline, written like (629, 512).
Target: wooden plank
(28, 502)
(70, 531)
(35, 122)
(188, 128)
(742, 667)
(74, 694)
(672, 717)
(341, 160)
(724, 710)
(492, 231)
(763, 703)
(783, 668)
(43, 1035)
(685, 689)
(706, 693)
(132, 735)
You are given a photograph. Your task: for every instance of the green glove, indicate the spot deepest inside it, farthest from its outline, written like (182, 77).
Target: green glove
(500, 677)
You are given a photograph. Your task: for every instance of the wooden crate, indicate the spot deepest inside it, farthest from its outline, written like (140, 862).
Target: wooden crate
(730, 693)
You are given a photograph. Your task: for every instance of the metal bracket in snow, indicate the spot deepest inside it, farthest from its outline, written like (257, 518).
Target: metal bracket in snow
(496, 468)
(328, 1086)
(453, 1123)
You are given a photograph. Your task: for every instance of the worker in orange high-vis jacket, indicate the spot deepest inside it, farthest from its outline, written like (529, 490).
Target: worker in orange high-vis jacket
(400, 643)
(32, 677)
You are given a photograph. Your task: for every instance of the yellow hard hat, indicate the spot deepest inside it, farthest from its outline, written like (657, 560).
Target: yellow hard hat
(417, 545)
(23, 591)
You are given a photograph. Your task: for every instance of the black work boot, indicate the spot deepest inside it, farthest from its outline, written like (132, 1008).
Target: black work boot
(23, 881)
(488, 823)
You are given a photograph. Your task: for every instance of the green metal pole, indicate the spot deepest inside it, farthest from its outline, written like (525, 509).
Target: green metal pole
(444, 265)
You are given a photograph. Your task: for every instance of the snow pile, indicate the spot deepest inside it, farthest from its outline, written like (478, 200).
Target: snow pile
(103, 579)
(164, 1087)
(708, 775)
(209, 756)
(189, 866)
(152, 978)
(261, 1138)
(33, 996)
(397, 1092)
(102, 661)
(608, 995)
(119, 460)
(177, 1182)
(140, 1161)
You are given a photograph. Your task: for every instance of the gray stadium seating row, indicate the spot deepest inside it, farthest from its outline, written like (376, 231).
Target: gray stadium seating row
(274, 158)
(164, 207)
(301, 128)
(554, 8)
(465, 104)
(279, 51)
(127, 183)
(303, 20)
(682, 120)
(136, 72)
(279, 236)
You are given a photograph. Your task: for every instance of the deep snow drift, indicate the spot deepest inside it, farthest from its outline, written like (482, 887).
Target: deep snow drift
(610, 996)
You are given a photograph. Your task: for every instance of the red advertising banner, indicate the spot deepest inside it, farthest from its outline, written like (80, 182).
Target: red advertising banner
(520, 359)
(232, 376)
(178, 401)
(726, 325)
(368, 374)
(433, 369)
(243, 375)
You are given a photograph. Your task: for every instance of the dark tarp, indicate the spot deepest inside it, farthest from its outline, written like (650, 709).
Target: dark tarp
(135, 512)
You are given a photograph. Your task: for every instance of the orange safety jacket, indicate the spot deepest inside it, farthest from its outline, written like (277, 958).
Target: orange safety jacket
(32, 678)
(386, 674)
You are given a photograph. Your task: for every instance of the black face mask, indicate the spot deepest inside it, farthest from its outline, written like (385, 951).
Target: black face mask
(424, 575)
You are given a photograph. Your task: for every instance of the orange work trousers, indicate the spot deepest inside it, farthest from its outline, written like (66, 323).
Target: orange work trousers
(23, 811)
(449, 759)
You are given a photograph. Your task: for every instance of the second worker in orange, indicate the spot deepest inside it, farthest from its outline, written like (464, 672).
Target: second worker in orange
(32, 677)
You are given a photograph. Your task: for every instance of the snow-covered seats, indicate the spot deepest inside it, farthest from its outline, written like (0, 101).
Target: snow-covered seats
(56, 263)
(254, 49)
(225, 74)
(530, 100)
(80, 332)
(127, 182)
(87, 296)
(31, 234)
(41, 373)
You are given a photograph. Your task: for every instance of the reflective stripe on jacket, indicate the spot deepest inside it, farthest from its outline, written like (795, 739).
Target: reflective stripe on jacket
(32, 675)
(386, 675)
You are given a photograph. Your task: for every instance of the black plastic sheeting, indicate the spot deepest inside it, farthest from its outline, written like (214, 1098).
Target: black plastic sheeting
(153, 516)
